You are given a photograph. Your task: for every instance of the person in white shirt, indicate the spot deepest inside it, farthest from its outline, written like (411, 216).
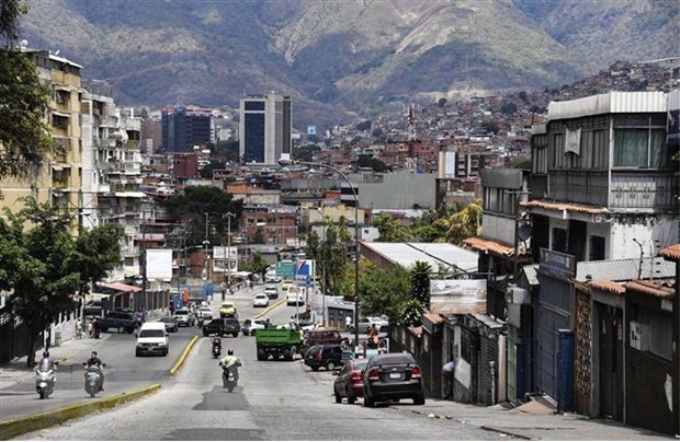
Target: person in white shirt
(447, 377)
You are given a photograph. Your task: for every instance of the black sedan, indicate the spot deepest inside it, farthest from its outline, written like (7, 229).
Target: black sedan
(392, 376)
(170, 323)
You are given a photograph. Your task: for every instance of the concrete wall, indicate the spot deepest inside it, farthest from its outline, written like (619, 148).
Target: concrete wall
(497, 228)
(647, 230)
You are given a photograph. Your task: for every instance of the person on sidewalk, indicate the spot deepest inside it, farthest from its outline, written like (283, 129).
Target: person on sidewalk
(348, 323)
(447, 378)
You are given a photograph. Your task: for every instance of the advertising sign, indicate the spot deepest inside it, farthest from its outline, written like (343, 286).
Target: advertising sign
(159, 264)
(305, 271)
(458, 296)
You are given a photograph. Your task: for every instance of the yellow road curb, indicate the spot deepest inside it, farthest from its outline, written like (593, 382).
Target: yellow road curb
(269, 309)
(14, 427)
(183, 356)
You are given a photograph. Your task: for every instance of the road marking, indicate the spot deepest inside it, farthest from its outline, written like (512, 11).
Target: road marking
(17, 426)
(269, 309)
(183, 356)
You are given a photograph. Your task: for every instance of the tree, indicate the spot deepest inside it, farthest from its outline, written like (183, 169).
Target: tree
(441, 102)
(508, 108)
(420, 282)
(523, 97)
(306, 153)
(42, 266)
(462, 224)
(259, 265)
(387, 291)
(364, 125)
(258, 236)
(389, 229)
(192, 205)
(25, 135)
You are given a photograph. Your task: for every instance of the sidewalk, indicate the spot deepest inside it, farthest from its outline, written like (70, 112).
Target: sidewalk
(532, 421)
(15, 372)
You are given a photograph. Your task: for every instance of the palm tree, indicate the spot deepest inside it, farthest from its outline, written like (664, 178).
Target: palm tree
(462, 224)
(420, 282)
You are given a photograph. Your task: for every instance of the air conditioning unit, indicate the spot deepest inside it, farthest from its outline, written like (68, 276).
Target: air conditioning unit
(639, 336)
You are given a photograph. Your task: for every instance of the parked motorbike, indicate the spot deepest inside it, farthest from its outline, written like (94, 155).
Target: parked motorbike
(44, 380)
(94, 379)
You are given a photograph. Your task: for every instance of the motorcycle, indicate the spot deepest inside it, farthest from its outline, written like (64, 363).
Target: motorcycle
(44, 380)
(231, 375)
(94, 379)
(216, 350)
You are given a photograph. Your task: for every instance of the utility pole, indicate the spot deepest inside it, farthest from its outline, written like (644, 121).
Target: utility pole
(143, 254)
(229, 215)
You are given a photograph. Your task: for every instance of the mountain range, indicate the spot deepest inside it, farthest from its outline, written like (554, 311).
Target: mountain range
(345, 59)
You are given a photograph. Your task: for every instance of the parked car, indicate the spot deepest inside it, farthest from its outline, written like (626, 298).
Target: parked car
(392, 376)
(260, 300)
(328, 356)
(228, 309)
(365, 323)
(170, 323)
(93, 308)
(322, 336)
(123, 322)
(184, 317)
(222, 327)
(272, 292)
(348, 383)
(251, 326)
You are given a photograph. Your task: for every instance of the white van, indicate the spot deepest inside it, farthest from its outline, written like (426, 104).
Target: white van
(295, 296)
(152, 339)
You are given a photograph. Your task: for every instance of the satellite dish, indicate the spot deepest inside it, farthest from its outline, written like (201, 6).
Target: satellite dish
(524, 232)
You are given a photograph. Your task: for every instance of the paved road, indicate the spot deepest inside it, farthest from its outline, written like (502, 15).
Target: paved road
(275, 400)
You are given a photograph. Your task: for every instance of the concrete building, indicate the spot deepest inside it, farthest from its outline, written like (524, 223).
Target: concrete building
(59, 176)
(265, 127)
(400, 190)
(185, 127)
(152, 135)
(603, 187)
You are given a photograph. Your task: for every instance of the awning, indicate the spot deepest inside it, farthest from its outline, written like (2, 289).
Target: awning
(61, 114)
(485, 245)
(57, 167)
(119, 287)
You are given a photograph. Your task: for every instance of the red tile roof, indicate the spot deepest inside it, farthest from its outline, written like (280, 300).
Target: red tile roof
(671, 252)
(119, 286)
(660, 289)
(483, 245)
(608, 286)
(434, 318)
(581, 208)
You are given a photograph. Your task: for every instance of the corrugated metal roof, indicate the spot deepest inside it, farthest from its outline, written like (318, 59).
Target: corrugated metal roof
(609, 103)
(406, 254)
(624, 269)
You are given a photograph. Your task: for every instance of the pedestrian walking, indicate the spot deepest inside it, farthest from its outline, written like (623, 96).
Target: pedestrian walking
(348, 323)
(79, 330)
(447, 378)
(90, 328)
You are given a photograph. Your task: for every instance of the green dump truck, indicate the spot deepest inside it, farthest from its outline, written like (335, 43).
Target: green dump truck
(277, 342)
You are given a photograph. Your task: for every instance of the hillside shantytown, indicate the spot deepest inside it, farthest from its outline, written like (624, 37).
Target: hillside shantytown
(547, 222)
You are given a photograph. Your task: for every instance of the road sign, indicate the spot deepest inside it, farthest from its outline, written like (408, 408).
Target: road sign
(285, 269)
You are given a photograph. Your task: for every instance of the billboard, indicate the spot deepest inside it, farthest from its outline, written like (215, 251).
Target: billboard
(305, 271)
(458, 296)
(223, 256)
(311, 130)
(159, 264)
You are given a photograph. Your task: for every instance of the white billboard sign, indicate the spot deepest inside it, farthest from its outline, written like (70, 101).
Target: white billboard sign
(458, 296)
(223, 256)
(159, 264)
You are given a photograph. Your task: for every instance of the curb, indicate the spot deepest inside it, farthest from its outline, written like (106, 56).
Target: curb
(182, 358)
(21, 425)
(269, 309)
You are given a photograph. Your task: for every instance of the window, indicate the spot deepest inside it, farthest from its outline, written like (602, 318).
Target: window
(597, 248)
(559, 240)
(540, 161)
(641, 147)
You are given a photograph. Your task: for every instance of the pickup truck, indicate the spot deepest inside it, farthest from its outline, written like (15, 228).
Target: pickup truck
(123, 322)
(278, 341)
(222, 327)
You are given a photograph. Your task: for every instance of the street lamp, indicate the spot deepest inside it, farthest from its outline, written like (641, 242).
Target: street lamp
(287, 162)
